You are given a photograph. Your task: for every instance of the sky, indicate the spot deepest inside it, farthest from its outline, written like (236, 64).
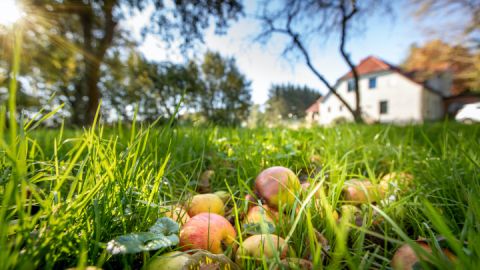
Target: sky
(263, 64)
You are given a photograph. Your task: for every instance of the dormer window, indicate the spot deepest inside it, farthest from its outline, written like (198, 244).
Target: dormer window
(350, 85)
(372, 83)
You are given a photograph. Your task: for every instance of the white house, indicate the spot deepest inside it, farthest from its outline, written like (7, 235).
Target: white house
(387, 95)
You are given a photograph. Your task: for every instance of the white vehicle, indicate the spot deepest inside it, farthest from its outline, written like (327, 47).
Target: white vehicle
(469, 113)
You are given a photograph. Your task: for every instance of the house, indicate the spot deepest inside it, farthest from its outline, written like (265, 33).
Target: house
(313, 112)
(387, 95)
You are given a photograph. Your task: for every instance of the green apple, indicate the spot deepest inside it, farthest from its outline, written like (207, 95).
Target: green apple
(169, 261)
(262, 246)
(259, 214)
(395, 182)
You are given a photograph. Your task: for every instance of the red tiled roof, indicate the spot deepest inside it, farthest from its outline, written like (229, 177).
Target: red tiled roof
(373, 64)
(369, 65)
(315, 107)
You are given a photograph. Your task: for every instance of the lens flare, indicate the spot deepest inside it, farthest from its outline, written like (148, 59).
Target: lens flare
(9, 12)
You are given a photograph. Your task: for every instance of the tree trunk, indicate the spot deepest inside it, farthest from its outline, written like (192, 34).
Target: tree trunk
(92, 78)
(357, 112)
(94, 55)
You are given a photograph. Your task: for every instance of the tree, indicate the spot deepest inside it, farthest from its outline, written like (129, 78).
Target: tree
(90, 28)
(156, 87)
(225, 97)
(290, 101)
(303, 21)
(436, 56)
(469, 10)
(30, 95)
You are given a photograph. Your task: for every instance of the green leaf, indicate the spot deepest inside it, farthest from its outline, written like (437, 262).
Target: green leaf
(165, 226)
(162, 234)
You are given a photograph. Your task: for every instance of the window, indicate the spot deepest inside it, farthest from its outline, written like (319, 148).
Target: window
(351, 85)
(329, 109)
(341, 107)
(383, 107)
(372, 83)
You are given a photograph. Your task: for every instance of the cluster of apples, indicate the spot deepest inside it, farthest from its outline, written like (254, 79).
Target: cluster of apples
(204, 227)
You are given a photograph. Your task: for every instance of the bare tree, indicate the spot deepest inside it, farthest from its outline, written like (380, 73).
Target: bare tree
(316, 20)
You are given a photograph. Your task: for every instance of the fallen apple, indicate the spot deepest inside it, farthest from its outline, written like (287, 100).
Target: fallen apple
(207, 231)
(395, 182)
(306, 188)
(250, 201)
(261, 246)
(277, 186)
(259, 214)
(353, 212)
(360, 191)
(204, 260)
(169, 261)
(223, 195)
(294, 263)
(206, 203)
(405, 257)
(175, 212)
(204, 181)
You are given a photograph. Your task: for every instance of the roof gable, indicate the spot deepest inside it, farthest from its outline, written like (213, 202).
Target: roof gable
(370, 65)
(315, 107)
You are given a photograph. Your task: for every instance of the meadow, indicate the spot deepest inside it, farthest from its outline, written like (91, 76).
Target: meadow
(66, 193)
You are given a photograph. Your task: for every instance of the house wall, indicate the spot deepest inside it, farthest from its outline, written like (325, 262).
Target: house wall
(312, 117)
(404, 98)
(442, 82)
(432, 106)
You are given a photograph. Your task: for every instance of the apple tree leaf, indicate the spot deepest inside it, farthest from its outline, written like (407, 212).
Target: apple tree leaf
(163, 234)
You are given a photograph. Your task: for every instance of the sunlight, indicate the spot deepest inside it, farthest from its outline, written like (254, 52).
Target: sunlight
(9, 12)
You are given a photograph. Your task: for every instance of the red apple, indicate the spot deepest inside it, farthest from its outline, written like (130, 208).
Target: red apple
(207, 231)
(206, 203)
(405, 257)
(360, 191)
(262, 246)
(277, 186)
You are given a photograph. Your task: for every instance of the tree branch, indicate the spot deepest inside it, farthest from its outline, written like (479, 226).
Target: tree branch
(346, 16)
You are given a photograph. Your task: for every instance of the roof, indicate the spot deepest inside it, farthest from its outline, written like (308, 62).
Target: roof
(315, 107)
(371, 64)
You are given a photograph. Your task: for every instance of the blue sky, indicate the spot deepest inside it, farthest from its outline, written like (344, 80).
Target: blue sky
(385, 37)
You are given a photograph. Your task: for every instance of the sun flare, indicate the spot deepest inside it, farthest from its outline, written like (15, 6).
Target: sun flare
(9, 12)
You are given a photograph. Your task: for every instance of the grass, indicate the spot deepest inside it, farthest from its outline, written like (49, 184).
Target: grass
(65, 193)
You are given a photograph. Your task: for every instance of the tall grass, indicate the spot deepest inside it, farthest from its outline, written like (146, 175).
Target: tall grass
(79, 189)
(65, 193)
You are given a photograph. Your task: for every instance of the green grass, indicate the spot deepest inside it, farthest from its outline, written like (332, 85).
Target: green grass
(64, 194)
